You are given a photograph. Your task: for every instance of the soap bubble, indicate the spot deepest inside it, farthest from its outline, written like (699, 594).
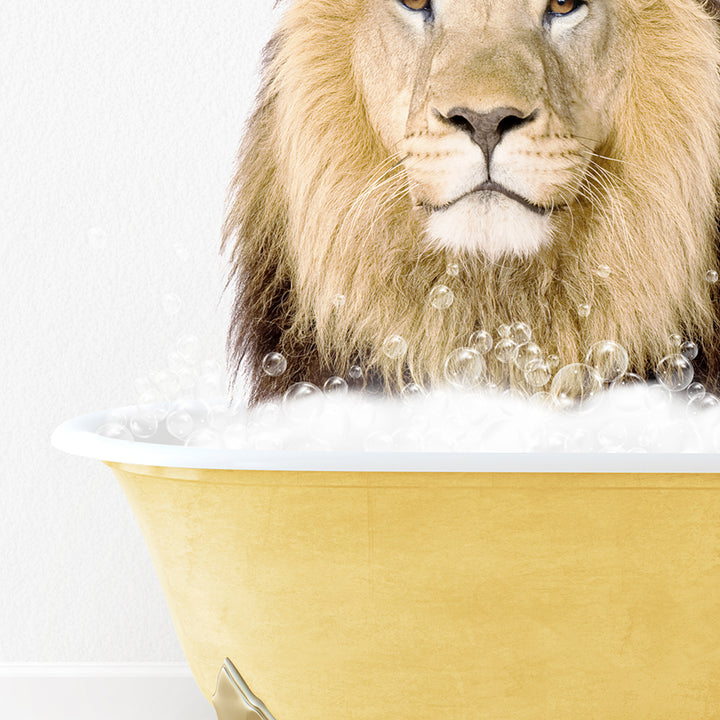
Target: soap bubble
(702, 403)
(711, 276)
(180, 424)
(394, 347)
(689, 349)
(537, 373)
(116, 431)
(603, 271)
(609, 359)
(274, 364)
(553, 361)
(338, 301)
(695, 390)
(575, 383)
(503, 331)
(628, 380)
(355, 372)
(520, 333)
(464, 367)
(335, 386)
(189, 347)
(168, 383)
(187, 377)
(441, 297)
(583, 311)
(220, 416)
(506, 350)
(171, 303)
(143, 427)
(481, 340)
(453, 269)
(675, 372)
(412, 391)
(675, 340)
(204, 438)
(302, 402)
(149, 406)
(526, 353)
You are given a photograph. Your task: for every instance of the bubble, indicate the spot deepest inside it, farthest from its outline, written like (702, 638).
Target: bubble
(506, 350)
(171, 303)
(209, 386)
(187, 378)
(689, 349)
(274, 364)
(537, 373)
(302, 402)
(526, 353)
(453, 269)
(520, 333)
(335, 386)
(180, 424)
(675, 372)
(412, 391)
(115, 430)
(143, 427)
(355, 372)
(603, 271)
(553, 361)
(702, 403)
(695, 390)
(628, 380)
(339, 301)
(575, 383)
(583, 311)
(189, 347)
(675, 340)
(168, 383)
(503, 331)
(711, 276)
(441, 297)
(394, 347)
(149, 406)
(464, 367)
(481, 340)
(220, 416)
(609, 359)
(204, 438)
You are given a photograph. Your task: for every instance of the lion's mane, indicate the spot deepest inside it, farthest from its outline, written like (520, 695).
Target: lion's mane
(318, 208)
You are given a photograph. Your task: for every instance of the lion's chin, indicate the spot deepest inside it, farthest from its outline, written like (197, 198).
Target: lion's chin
(489, 224)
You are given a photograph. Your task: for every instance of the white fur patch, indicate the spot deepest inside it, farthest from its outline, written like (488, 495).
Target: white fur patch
(491, 224)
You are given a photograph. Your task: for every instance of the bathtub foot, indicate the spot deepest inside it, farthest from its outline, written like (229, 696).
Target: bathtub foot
(233, 699)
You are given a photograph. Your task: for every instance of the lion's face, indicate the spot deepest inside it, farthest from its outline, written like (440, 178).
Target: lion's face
(494, 109)
(563, 155)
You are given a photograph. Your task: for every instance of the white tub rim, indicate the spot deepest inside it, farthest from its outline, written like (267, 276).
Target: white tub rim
(78, 437)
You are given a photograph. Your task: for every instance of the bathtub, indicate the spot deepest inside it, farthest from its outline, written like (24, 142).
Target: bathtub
(397, 586)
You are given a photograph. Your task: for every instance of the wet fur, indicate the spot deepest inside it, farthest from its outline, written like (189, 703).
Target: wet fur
(319, 207)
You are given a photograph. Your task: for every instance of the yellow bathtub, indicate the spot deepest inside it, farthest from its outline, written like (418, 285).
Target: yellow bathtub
(396, 586)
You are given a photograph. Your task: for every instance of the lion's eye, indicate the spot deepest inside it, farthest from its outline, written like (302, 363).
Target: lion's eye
(563, 7)
(417, 4)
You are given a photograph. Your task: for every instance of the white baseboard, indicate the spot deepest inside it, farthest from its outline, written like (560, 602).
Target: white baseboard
(95, 691)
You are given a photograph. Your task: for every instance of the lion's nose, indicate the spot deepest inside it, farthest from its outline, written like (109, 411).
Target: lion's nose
(487, 129)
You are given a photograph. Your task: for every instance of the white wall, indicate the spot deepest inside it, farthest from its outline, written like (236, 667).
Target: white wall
(119, 124)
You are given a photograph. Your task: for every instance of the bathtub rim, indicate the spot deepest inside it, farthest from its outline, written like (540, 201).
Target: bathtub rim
(78, 437)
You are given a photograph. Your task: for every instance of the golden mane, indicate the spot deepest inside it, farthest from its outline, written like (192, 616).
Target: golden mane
(320, 208)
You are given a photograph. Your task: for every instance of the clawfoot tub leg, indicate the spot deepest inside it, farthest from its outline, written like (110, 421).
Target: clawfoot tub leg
(233, 699)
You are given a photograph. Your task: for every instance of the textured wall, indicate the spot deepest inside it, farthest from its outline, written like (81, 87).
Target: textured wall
(119, 123)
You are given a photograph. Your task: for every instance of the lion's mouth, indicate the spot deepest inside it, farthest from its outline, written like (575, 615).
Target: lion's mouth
(490, 187)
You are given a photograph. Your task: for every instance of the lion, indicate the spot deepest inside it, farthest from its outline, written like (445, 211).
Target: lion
(555, 163)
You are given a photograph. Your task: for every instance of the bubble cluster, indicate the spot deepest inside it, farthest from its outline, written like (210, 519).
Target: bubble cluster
(482, 405)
